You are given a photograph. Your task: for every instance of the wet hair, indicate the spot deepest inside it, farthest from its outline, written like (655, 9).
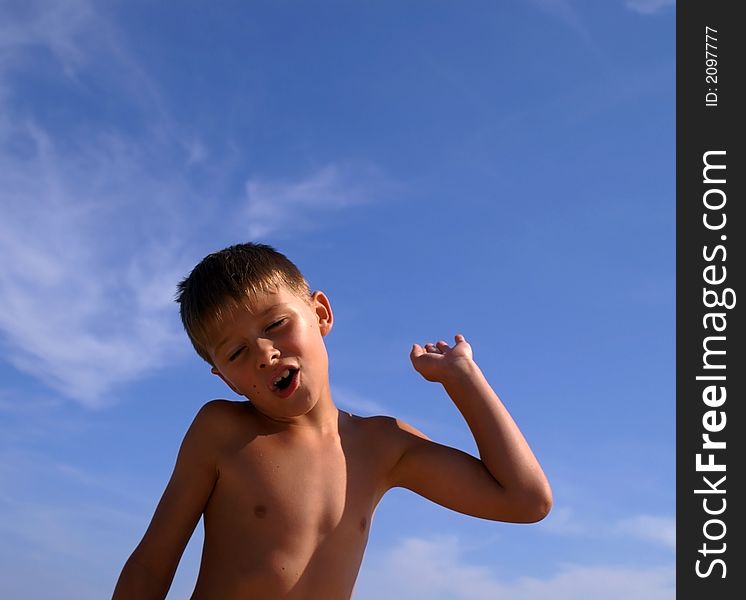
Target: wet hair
(231, 278)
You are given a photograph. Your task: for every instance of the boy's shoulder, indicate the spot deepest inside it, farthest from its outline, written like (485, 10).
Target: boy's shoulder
(218, 413)
(387, 434)
(219, 421)
(389, 426)
(220, 407)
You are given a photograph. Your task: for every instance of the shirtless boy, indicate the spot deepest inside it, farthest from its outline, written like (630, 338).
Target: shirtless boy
(286, 482)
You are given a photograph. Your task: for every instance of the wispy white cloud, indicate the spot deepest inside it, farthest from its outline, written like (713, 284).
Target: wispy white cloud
(281, 207)
(72, 527)
(35, 472)
(98, 221)
(564, 520)
(649, 7)
(436, 569)
(660, 530)
(90, 254)
(569, 15)
(566, 12)
(66, 529)
(59, 516)
(86, 281)
(53, 26)
(359, 404)
(58, 537)
(93, 245)
(34, 406)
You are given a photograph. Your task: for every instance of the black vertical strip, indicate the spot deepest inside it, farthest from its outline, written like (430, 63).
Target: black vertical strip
(710, 398)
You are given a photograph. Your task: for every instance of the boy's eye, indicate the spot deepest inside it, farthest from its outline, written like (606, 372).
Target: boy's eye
(235, 355)
(277, 323)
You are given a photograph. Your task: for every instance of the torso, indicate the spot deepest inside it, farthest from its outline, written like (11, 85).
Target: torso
(289, 515)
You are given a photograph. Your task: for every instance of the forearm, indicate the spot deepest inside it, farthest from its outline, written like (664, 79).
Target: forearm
(502, 447)
(138, 582)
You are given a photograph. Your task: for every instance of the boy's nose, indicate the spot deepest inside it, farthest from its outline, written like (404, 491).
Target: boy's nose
(267, 354)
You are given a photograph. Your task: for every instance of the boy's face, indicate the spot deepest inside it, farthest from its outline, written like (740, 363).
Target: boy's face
(274, 353)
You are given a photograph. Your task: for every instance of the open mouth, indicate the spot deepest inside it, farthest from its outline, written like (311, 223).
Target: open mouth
(285, 379)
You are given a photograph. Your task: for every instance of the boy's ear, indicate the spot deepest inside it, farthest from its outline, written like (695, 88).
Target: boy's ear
(323, 309)
(228, 383)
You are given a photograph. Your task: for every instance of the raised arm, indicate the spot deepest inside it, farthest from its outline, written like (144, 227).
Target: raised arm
(507, 484)
(150, 569)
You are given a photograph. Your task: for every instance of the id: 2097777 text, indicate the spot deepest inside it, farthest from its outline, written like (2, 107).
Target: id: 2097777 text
(711, 67)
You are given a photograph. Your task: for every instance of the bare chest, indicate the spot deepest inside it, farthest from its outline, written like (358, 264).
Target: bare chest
(296, 493)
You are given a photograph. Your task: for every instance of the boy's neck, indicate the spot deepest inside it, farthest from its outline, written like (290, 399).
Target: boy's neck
(320, 422)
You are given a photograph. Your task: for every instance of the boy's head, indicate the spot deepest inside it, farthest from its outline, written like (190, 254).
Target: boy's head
(231, 278)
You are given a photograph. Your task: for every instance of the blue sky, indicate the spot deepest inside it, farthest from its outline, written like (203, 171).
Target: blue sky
(505, 170)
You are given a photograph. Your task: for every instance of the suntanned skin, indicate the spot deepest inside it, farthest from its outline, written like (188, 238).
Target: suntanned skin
(288, 484)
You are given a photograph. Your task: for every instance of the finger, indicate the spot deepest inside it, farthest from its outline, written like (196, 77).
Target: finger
(417, 350)
(459, 338)
(431, 348)
(442, 346)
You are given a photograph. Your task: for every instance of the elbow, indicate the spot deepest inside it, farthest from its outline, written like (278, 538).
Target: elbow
(540, 509)
(535, 506)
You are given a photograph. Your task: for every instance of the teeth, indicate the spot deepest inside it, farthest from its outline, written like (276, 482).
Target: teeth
(284, 374)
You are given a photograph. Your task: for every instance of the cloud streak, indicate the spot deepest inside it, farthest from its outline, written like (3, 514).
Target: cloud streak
(436, 569)
(89, 252)
(100, 222)
(649, 7)
(85, 288)
(349, 399)
(50, 25)
(565, 12)
(280, 207)
(660, 530)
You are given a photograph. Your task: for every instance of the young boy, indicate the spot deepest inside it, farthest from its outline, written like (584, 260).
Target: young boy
(286, 482)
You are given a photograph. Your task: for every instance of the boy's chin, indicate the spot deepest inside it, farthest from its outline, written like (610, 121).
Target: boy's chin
(284, 410)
